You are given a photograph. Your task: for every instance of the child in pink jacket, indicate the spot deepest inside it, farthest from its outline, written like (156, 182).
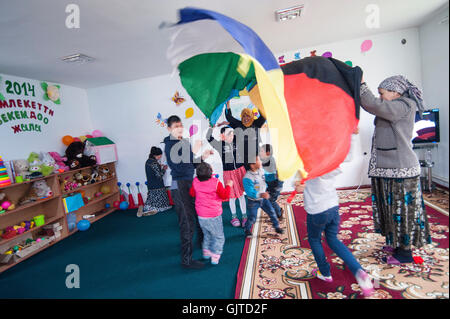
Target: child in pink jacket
(209, 194)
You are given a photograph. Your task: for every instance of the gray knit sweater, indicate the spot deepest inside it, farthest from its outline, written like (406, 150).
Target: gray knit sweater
(392, 153)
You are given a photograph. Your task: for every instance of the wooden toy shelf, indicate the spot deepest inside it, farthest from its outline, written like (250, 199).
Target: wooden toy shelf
(53, 208)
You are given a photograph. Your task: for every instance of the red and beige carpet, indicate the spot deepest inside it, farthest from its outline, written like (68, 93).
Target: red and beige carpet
(279, 266)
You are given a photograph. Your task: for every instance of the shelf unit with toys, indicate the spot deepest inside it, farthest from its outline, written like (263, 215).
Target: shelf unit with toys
(99, 194)
(28, 229)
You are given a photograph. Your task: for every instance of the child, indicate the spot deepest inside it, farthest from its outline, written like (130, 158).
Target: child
(157, 199)
(180, 159)
(209, 193)
(322, 205)
(233, 170)
(274, 185)
(255, 188)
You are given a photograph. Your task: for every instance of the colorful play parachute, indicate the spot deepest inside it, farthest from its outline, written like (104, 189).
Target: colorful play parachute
(311, 111)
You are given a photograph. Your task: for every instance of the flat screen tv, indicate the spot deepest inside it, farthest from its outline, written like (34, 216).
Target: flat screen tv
(426, 129)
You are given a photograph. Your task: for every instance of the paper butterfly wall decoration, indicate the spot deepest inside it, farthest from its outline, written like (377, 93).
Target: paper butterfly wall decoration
(177, 98)
(281, 59)
(313, 53)
(297, 56)
(160, 120)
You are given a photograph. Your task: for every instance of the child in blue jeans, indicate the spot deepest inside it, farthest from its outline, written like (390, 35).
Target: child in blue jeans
(274, 185)
(322, 205)
(257, 196)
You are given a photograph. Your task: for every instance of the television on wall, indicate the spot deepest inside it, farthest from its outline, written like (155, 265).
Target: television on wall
(426, 129)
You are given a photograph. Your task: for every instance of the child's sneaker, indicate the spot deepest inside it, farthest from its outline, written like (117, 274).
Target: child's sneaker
(317, 274)
(215, 259)
(364, 282)
(244, 221)
(235, 222)
(206, 254)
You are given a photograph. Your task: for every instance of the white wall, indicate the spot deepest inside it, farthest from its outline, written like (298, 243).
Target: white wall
(71, 117)
(387, 57)
(435, 64)
(127, 112)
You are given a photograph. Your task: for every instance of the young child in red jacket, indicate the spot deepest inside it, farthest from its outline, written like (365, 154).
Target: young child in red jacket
(209, 194)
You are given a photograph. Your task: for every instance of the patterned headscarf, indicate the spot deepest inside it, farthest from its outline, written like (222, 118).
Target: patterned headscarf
(251, 116)
(401, 85)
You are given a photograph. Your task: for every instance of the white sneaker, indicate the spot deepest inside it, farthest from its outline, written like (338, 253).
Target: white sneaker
(316, 272)
(365, 283)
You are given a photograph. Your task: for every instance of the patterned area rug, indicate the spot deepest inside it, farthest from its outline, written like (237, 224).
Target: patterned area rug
(438, 199)
(279, 266)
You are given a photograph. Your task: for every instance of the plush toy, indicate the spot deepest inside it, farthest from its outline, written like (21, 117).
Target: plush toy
(21, 168)
(6, 203)
(68, 185)
(95, 176)
(37, 166)
(48, 161)
(75, 151)
(59, 161)
(73, 164)
(104, 172)
(39, 190)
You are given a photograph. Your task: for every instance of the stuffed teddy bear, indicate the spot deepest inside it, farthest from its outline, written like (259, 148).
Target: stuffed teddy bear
(59, 161)
(104, 172)
(38, 190)
(5, 203)
(21, 168)
(75, 151)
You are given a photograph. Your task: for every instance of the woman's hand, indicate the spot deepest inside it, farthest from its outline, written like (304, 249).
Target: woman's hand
(264, 195)
(230, 183)
(197, 146)
(207, 154)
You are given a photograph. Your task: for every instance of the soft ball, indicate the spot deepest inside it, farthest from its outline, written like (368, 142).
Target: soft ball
(83, 225)
(123, 205)
(105, 189)
(116, 204)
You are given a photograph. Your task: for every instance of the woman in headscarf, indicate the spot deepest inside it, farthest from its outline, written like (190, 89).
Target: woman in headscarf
(398, 207)
(157, 197)
(246, 131)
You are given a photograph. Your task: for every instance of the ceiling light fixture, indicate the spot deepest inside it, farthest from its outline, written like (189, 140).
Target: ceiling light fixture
(77, 58)
(289, 13)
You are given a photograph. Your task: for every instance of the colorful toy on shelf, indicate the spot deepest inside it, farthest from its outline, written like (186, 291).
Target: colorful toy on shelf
(98, 194)
(105, 189)
(68, 185)
(39, 220)
(104, 172)
(140, 199)
(9, 232)
(59, 161)
(21, 168)
(48, 161)
(131, 204)
(6, 203)
(5, 180)
(37, 167)
(39, 190)
(75, 153)
(116, 204)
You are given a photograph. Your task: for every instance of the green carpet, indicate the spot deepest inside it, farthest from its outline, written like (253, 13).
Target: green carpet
(122, 256)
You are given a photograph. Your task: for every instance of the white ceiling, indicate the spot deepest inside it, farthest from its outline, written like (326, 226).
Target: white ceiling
(124, 38)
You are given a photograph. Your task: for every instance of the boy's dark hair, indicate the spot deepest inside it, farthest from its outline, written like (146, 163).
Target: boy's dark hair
(267, 148)
(222, 130)
(173, 119)
(251, 161)
(155, 151)
(204, 171)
